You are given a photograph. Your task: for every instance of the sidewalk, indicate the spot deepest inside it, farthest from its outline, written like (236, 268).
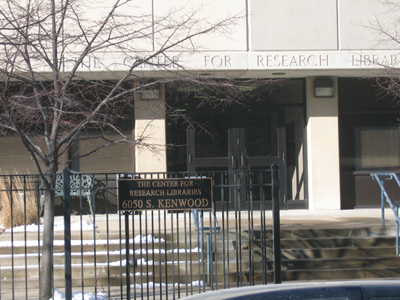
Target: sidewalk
(289, 219)
(343, 218)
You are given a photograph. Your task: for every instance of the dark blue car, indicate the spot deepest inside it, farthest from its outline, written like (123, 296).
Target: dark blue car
(341, 290)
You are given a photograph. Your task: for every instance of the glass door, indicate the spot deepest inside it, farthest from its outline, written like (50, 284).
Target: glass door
(239, 139)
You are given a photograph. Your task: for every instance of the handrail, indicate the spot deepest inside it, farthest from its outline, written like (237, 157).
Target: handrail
(380, 179)
(201, 227)
(216, 229)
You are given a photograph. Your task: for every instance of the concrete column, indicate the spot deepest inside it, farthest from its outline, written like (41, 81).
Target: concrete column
(322, 149)
(151, 156)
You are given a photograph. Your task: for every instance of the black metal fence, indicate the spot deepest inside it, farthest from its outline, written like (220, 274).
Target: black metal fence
(159, 254)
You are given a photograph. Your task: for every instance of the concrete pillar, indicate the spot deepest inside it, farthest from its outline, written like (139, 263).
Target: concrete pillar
(151, 156)
(322, 149)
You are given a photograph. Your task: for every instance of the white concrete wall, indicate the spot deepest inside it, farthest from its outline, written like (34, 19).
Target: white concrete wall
(319, 25)
(322, 149)
(203, 13)
(260, 25)
(356, 19)
(293, 25)
(301, 38)
(14, 156)
(118, 158)
(151, 156)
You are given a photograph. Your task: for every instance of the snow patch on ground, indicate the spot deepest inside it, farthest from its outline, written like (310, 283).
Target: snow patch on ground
(58, 295)
(147, 239)
(151, 284)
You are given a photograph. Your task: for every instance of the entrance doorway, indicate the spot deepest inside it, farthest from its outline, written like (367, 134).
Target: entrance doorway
(267, 127)
(239, 138)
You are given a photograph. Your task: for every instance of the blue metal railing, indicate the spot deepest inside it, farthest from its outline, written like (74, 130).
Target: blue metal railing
(208, 230)
(394, 205)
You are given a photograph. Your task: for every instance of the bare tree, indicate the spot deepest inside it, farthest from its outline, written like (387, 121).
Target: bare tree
(51, 93)
(383, 31)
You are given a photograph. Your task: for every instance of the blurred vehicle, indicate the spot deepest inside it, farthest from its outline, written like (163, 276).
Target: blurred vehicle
(339, 290)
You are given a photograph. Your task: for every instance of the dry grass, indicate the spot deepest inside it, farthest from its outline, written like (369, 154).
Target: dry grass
(24, 204)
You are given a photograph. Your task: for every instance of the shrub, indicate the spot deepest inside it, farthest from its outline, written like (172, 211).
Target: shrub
(22, 197)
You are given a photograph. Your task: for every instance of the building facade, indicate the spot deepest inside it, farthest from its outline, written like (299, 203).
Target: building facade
(326, 123)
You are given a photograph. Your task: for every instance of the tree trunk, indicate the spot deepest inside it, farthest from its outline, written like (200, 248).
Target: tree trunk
(46, 266)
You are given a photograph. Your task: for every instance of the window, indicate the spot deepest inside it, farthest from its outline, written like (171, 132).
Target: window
(377, 147)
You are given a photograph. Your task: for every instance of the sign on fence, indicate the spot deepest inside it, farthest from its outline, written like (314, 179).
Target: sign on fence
(171, 193)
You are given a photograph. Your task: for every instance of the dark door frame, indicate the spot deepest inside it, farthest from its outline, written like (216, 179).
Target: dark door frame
(238, 158)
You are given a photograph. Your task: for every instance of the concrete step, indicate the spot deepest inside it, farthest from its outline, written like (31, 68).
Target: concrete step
(341, 274)
(233, 277)
(103, 282)
(100, 257)
(228, 240)
(329, 242)
(326, 232)
(194, 235)
(118, 268)
(304, 243)
(171, 238)
(336, 253)
(308, 254)
(340, 263)
(309, 275)
(88, 246)
(307, 264)
(59, 270)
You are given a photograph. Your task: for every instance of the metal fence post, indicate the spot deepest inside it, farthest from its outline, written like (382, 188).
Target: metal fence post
(67, 234)
(127, 266)
(276, 224)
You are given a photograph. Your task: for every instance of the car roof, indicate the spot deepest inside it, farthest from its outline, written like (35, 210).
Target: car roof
(260, 289)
